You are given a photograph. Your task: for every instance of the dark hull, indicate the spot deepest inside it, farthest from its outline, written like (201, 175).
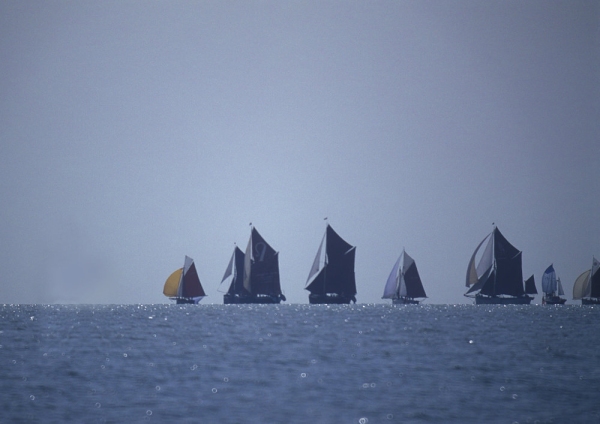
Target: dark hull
(553, 300)
(485, 300)
(185, 301)
(590, 301)
(245, 300)
(329, 299)
(404, 301)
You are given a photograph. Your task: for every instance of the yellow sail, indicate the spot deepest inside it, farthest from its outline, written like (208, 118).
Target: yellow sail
(172, 283)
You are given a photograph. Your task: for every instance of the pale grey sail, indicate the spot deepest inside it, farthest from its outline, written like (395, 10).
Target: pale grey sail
(582, 287)
(560, 290)
(549, 284)
(389, 292)
(318, 263)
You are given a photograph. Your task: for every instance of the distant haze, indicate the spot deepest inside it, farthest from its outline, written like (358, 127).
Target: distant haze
(133, 133)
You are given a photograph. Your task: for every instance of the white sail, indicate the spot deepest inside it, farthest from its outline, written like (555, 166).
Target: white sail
(474, 273)
(228, 273)
(561, 292)
(487, 259)
(319, 261)
(549, 284)
(391, 286)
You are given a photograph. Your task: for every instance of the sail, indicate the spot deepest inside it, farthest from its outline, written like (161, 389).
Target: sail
(235, 269)
(499, 271)
(509, 278)
(549, 284)
(595, 279)
(184, 282)
(172, 283)
(474, 274)
(229, 269)
(319, 261)
(530, 286)
(391, 286)
(560, 290)
(486, 279)
(337, 273)
(582, 287)
(588, 283)
(261, 267)
(190, 286)
(412, 286)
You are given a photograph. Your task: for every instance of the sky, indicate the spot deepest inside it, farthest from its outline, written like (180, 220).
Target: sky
(133, 133)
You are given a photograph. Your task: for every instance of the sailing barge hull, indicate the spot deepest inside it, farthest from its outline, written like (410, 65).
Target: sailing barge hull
(329, 299)
(590, 301)
(245, 300)
(404, 301)
(496, 300)
(186, 300)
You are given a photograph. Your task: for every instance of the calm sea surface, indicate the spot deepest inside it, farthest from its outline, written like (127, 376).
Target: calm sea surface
(299, 364)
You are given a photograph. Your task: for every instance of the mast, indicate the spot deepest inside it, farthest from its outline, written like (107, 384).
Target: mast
(325, 259)
(495, 265)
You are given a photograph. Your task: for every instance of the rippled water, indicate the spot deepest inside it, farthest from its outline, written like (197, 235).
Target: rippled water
(299, 364)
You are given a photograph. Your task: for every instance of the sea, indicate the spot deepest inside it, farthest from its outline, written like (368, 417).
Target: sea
(298, 363)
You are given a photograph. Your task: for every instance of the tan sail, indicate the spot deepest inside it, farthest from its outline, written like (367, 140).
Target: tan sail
(582, 287)
(172, 283)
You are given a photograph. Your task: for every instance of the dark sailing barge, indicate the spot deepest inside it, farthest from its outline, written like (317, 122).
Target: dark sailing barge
(587, 285)
(255, 274)
(498, 277)
(331, 278)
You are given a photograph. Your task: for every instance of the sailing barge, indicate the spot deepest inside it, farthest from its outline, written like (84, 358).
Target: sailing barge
(331, 279)
(235, 271)
(404, 284)
(255, 274)
(587, 285)
(183, 285)
(497, 279)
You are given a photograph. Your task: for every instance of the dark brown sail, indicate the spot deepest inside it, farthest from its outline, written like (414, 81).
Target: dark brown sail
(331, 278)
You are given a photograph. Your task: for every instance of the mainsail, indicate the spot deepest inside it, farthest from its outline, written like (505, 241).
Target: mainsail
(587, 285)
(404, 281)
(499, 270)
(183, 285)
(261, 267)
(332, 272)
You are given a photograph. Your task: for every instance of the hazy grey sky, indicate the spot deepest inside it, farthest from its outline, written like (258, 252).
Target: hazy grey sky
(133, 133)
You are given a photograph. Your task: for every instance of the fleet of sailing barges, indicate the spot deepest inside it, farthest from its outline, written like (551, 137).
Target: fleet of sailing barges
(494, 276)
